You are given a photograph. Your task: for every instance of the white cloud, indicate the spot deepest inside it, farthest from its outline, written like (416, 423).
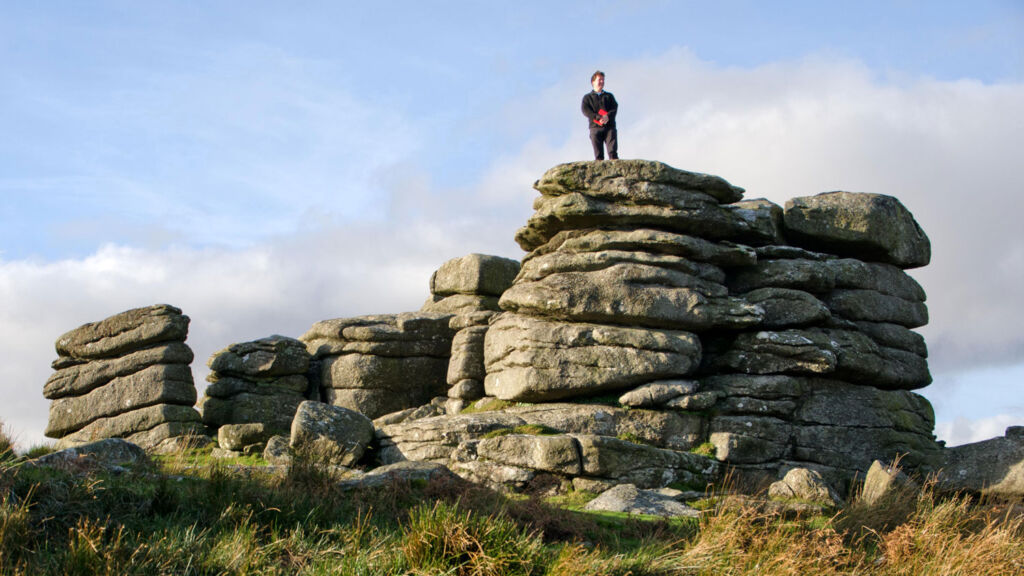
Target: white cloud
(965, 431)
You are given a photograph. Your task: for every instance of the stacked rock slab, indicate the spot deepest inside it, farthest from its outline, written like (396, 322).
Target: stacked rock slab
(380, 364)
(127, 376)
(469, 288)
(785, 333)
(255, 388)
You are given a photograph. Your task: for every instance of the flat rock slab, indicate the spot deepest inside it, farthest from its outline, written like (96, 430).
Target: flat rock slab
(125, 332)
(78, 379)
(530, 359)
(632, 294)
(723, 254)
(632, 500)
(135, 421)
(868, 226)
(620, 179)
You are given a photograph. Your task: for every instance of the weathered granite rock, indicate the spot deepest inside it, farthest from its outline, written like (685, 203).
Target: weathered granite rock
(467, 360)
(632, 294)
(994, 467)
(271, 357)
(274, 410)
(134, 422)
(785, 307)
(871, 227)
(401, 472)
(806, 485)
(559, 454)
(81, 378)
(529, 359)
(628, 179)
(846, 354)
(125, 332)
(383, 363)
(459, 304)
(127, 376)
(111, 453)
(643, 465)
(646, 240)
(875, 306)
(641, 205)
(631, 500)
(883, 482)
(658, 393)
(255, 388)
(157, 384)
(477, 274)
(241, 437)
(278, 452)
(334, 434)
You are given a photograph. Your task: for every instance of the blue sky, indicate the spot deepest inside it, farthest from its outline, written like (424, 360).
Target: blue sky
(265, 166)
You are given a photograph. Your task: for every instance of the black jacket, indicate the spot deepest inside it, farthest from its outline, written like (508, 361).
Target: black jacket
(604, 101)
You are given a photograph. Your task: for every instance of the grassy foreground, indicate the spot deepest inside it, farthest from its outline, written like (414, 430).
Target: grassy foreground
(174, 518)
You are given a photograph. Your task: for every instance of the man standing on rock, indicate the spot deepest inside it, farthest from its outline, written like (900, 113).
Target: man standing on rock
(600, 108)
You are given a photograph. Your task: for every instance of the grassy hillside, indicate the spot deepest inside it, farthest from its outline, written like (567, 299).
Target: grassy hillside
(188, 515)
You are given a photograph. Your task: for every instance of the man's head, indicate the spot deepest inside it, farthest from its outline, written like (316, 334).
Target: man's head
(597, 81)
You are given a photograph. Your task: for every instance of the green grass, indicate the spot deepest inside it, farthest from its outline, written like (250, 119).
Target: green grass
(193, 515)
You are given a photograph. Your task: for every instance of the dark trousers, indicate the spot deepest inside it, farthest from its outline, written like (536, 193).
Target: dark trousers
(601, 136)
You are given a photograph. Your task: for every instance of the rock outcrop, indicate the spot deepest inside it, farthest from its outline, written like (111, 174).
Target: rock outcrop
(382, 363)
(782, 337)
(469, 288)
(255, 388)
(127, 376)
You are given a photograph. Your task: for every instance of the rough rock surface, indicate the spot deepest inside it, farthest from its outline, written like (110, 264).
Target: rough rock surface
(334, 434)
(806, 485)
(382, 363)
(993, 467)
(261, 382)
(632, 500)
(127, 376)
(111, 454)
(872, 227)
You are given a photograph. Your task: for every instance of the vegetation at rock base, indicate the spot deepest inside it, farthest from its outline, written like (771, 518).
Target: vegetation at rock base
(176, 518)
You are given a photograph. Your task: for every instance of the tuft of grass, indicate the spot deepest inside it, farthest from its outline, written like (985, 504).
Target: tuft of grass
(6, 445)
(706, 449)
(443, 538)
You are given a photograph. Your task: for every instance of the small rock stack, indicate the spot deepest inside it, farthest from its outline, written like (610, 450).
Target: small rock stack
(127, 376)
(469, 288)
(380, 364)
(255, 388)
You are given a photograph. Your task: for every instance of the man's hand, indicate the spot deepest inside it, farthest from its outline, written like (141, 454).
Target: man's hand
(602, 118)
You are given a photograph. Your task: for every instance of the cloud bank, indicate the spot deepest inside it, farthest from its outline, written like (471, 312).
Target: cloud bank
(948, 150)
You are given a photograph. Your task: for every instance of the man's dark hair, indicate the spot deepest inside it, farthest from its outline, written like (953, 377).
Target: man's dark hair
(595, 75)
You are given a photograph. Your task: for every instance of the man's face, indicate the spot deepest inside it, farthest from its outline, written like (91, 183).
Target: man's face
(598, 83)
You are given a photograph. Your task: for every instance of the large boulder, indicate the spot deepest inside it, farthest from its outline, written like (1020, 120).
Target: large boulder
(871, 227)
(478, 274)
(333, 434)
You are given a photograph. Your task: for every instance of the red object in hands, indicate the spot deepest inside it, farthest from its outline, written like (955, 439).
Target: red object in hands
(602, 112)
